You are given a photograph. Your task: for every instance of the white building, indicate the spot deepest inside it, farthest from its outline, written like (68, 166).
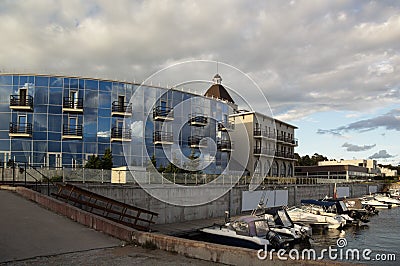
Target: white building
(271, 142)
(371, 165)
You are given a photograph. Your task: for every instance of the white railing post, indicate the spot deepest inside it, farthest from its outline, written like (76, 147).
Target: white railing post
(83, 175)
(102, 176)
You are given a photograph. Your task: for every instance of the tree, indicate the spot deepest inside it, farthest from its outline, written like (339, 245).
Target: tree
(104, 162)
(107, 160)
(93, 162)
(310, 161)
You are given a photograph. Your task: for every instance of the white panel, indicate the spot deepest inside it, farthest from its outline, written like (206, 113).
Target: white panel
(372, 189)
(343, 192)
(250, 199)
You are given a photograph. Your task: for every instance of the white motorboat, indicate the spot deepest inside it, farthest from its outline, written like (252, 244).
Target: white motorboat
(302, 216)
(394, 193)
(247, 231)
(371, 201)
(386, 199)
(325, 208)
(280, 222)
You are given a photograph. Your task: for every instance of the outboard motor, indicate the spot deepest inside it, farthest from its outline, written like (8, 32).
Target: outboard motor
(227, 217)
(276, 240)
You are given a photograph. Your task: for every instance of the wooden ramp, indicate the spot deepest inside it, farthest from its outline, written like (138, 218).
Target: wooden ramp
(111, 209)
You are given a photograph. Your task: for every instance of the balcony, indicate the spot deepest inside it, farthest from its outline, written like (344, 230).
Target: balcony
(161, 137)
(20, 130)
(284, 155)
(287, 140)
(162, 113)
(24, 103)
(258, 133)
(72, 131)
(198, 120)
(197, 141)
(258, 151)
(225, 146)
(121, 134)
(226, 126)
(121, 109)
(74, 105)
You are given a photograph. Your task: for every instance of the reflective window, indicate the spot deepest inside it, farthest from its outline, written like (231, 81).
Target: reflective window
(42, 81)
(6, 80)
(55, 96)
(41, 95)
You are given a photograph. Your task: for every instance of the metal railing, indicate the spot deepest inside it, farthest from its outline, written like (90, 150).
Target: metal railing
(162, 136)
(121, 133)
(162, 112)
(24, 101)
(119, 107)
(20, 128)
(72, 130)
(197, 119)
(73, 103)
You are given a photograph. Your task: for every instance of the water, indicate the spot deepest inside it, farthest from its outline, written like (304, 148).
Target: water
(381, 235)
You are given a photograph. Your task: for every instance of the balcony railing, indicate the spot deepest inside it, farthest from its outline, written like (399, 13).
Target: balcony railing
(162, 113)
(73, 104)
(285, 155)
(258, 133)
(225, 126)
(259, 151)
(121, 134)
(161, 137)
(22, 103)
(196, 141)
(20, 130)
(225, 145)
(72, 131)
(122, 109)
(198, 120)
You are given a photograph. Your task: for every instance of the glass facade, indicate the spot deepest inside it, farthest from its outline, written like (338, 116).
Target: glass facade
(61, 121)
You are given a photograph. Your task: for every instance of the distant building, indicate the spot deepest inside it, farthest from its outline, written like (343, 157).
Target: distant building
(387, 172)
(371, 165)
(334, 173)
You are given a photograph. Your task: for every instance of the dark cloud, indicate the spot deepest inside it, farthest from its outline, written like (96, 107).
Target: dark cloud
(389, 121)
(342, 55)
(356, 148)
(382, 154)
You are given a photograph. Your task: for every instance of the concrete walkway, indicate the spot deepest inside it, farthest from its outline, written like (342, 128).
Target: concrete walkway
(27, 231)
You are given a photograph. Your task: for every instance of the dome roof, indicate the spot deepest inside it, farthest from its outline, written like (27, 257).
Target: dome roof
(218, 91)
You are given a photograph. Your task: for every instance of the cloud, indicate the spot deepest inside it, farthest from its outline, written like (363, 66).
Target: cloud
(389, 121)
(382, 154)
(357, 148)
(340, 55)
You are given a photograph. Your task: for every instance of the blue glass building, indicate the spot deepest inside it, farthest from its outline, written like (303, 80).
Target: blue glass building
(59, 121)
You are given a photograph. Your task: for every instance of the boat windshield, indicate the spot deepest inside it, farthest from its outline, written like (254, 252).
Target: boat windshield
(344, 207)
(241, 228)
(284, 218)
(261, 228)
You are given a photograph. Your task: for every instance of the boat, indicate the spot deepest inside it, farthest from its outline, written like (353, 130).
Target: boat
(326, 208)
(394, 193)
(302, 216)
(280, 222)
(370, 200)
(385, 198)
(247, 231)
(355, 205)
(340, 207)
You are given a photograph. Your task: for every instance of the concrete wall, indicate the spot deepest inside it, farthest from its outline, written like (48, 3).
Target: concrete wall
(190, 248)
(231, 201)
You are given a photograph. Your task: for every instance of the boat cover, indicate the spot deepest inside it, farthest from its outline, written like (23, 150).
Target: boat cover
(318, 202)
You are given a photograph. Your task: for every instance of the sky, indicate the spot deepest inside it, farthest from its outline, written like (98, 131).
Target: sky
(332, 68)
